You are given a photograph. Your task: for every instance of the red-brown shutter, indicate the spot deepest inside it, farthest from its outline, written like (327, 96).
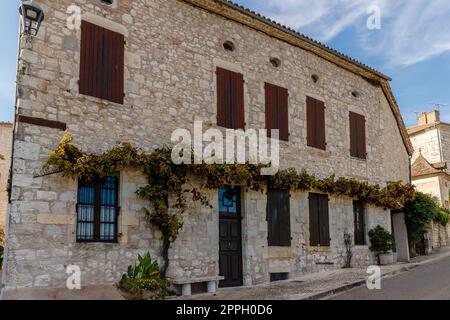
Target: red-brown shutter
(277, 110)
(362, 137)
(101, 63)
(230, 99)
(237, 100)
(358, 136)
(353, 135)
(271, 114)
(283, 113)
(315, 118)
(223, 97)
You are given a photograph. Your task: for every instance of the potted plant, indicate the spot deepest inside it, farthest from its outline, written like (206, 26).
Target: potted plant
(382, 244)
(143, 282)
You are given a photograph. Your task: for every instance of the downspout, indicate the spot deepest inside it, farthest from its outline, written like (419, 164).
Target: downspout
(440, 143)
(8, 209)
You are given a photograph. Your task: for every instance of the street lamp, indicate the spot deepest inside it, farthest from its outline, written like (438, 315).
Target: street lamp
(32, 16)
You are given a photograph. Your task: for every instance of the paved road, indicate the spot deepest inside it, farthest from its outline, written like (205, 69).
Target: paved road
(426, 282)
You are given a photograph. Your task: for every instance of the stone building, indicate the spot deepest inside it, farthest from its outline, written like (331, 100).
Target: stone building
(6, 131)
(177, 54)
(430, 172)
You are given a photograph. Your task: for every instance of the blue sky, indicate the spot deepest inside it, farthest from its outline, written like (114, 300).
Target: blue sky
(412, 46)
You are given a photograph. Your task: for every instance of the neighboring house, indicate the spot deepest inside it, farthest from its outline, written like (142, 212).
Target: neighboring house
(430, 172)
(170, 59)
(6, 134)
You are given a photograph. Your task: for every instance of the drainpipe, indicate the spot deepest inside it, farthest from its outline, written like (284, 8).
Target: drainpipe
(440, 143)
(8, 209)
(410, 169)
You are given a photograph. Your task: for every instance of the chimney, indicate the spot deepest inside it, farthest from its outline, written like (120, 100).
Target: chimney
(429, 117)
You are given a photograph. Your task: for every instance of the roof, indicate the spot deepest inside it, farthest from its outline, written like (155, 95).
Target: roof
(421, 167)
(423, 127)
(249, 18)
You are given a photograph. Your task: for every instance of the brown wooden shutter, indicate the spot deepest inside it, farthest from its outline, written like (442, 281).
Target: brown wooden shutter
(223, 97)
(101, 63)
(315, 118)
(277, 110)
(314, 231)
(283, 113)
(358, 136)
(324, 221)
(353, 135)
(362, 137)
(359, 216)
(278, 218)
(230, 99)
(310, 121)
(237, 100)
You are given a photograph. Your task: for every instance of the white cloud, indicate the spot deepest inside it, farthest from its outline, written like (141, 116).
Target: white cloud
(412, 30)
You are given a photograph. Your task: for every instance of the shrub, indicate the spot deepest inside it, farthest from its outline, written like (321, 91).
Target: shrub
(143, 282)
(421, 212)
(381, 240)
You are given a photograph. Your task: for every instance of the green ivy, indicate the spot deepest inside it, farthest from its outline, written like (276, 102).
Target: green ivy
(166, 179)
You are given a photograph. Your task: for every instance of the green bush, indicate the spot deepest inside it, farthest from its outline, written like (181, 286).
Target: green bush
(143, 282)
(381, 240)
(421, 212)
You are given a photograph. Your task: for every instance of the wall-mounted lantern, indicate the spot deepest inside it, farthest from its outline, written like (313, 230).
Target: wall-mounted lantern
(32, 16)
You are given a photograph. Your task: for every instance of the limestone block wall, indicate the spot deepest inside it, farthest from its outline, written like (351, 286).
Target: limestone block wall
(428, 143)
(171, 54)
(6, 133)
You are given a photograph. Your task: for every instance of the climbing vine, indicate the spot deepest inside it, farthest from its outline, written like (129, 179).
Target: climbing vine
(167, 180)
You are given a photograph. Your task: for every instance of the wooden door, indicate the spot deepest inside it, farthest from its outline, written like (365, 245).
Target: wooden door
(230, 237)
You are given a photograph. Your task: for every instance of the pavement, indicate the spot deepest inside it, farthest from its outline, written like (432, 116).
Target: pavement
(429, 281)
(327, 284)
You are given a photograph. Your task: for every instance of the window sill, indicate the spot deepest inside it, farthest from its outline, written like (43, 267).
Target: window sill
(319, 249)
(359, 159)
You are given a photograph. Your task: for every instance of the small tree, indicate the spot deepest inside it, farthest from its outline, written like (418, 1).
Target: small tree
(381, 241)
(348, 241)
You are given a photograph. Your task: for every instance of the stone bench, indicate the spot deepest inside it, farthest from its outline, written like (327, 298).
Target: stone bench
(186, 284)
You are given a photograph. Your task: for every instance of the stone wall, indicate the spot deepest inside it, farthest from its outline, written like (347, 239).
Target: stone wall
(427, 143)
(172, 51)
(6, 133)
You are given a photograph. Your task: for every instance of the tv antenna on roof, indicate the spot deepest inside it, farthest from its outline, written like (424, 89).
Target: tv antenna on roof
(438, 105)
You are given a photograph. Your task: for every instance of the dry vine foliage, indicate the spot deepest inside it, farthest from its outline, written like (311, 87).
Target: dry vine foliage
(166, 178)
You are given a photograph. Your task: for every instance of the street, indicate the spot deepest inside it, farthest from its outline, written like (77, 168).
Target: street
(426, 282)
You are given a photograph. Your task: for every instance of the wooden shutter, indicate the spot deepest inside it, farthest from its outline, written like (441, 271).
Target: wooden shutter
(277, 111)
(230, 99)
(283, 113)
(315, 118)
(319, 222)
(359, 214)
(278, 218)
(237, 100)
(101, 63)
(223, 98)
(358, 136)
(324, 221)
(314, 231)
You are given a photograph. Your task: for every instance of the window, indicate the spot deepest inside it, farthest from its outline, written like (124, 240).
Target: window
(97, 210)
(315, 118)
(278, 218)
(277, 116)
(319, 222)
(358, 136)
(360, 226)
(229, 201)
(274, 277)
(230, 99)
(101, 63)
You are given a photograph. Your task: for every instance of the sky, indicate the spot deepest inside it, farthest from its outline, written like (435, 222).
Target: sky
(412, 45)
